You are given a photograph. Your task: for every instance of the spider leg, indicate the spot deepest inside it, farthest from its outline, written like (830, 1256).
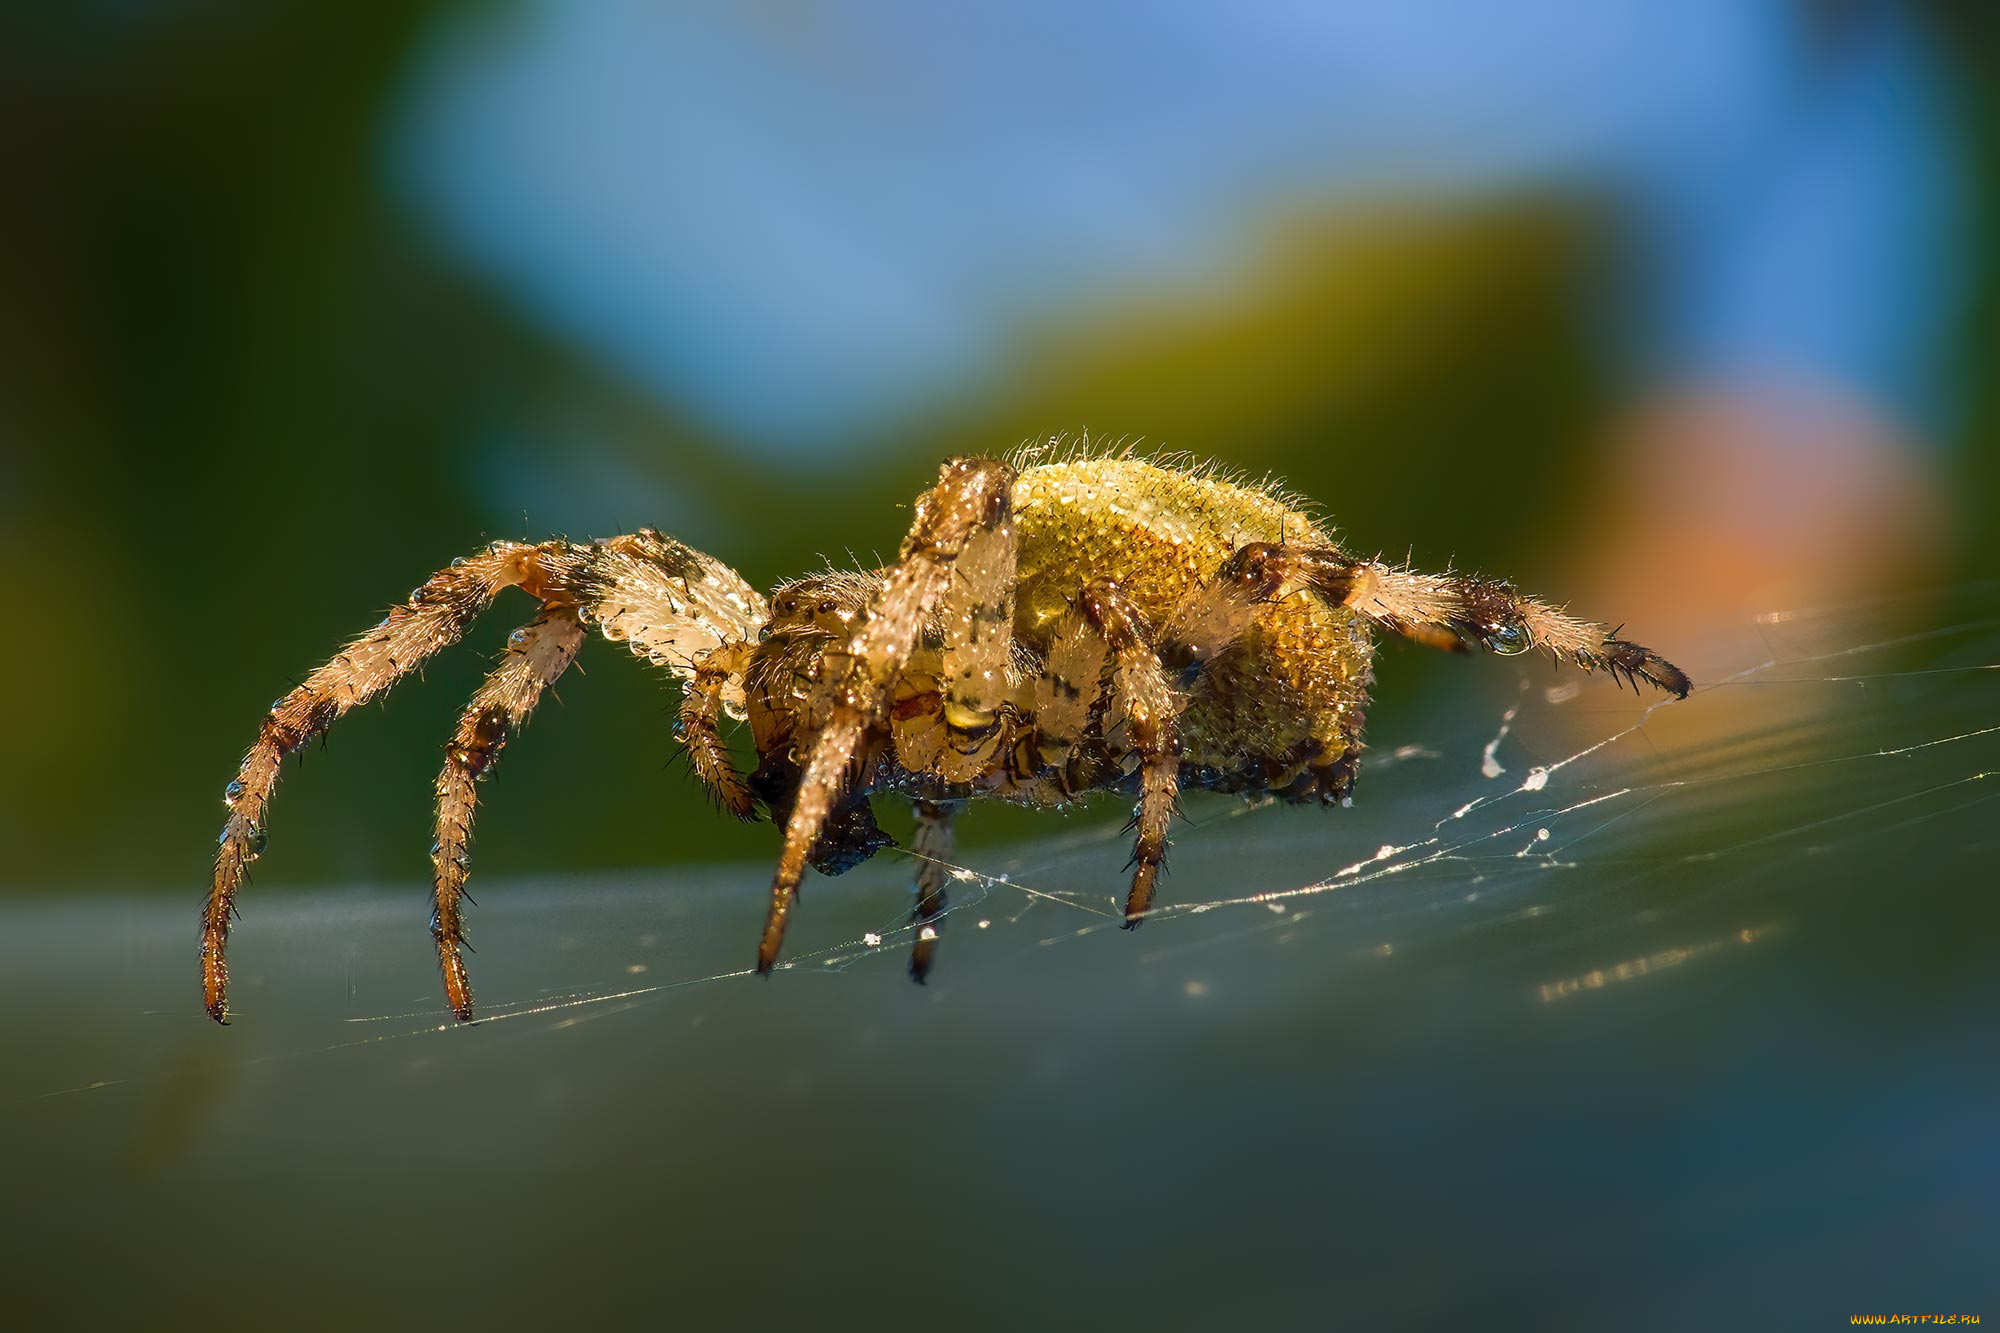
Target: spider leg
(948, 709)
(1144, 702)
(700, 719)
(671, 604)
(435, 616)
(916, 720)
(977, 621)
(973, 496)
(1067, 688)
(668, 603)
(932, 847)
(1452, 611)
(536, 655)
(694, 615)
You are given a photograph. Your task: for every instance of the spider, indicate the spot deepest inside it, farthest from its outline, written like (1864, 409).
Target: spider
(1047, 630)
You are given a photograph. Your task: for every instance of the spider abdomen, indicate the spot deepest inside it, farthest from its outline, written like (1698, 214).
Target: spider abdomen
(1158, 531)
(1287, 696)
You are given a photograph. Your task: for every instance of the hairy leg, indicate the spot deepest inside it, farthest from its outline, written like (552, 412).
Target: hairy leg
(700, 728)
(669, 602)
(1146, 706)
(537, 655)
(435, 616)
(1451, 611)
(973, 496)
(932, 847)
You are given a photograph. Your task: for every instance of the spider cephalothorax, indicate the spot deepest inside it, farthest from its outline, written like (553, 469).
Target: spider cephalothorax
(1047, 630)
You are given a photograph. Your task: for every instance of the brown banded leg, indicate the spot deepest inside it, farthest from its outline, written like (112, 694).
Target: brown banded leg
(671, 603)
(435, 616)
(1146, 705)
(1450, 611)
(700, 729)
(973, 496)
(932, 848)
(537, 654)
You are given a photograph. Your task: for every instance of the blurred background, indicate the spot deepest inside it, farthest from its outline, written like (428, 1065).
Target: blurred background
(1651, 306)
(1684, 311)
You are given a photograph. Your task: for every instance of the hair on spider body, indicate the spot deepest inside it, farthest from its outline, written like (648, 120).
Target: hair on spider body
(1048, 629)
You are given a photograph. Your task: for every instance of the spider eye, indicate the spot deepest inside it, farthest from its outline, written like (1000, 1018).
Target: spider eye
(826, 608)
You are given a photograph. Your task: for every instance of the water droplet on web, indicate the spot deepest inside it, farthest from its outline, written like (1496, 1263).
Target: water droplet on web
(927, 933)
(1536, 780)
(1385, 851)
(1541, 835)
(871, 939)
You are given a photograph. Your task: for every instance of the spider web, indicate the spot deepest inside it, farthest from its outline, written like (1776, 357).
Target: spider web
(1614, 891)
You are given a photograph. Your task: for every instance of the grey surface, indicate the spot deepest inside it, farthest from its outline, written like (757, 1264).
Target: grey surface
(1718, 1048)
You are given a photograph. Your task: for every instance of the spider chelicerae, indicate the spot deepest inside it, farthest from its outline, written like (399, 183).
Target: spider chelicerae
(1047, 630)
